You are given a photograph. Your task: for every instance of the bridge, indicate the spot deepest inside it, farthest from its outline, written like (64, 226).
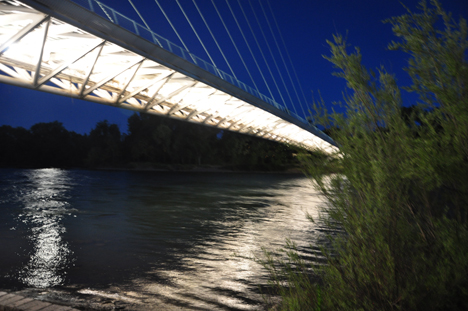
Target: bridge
(62, 47)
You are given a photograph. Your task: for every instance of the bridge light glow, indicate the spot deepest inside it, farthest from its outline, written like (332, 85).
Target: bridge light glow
(80, 64)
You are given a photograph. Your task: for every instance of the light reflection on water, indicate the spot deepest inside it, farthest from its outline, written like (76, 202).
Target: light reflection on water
(44, 208)
(219, 272)
(158, 241)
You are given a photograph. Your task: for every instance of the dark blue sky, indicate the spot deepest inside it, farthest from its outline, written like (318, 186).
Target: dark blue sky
(305, 26)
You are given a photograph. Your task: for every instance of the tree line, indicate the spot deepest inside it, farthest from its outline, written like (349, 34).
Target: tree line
(151, 142)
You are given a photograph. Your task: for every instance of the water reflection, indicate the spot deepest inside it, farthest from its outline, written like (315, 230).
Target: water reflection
(44, 207)
(155, 241)
(218, 272)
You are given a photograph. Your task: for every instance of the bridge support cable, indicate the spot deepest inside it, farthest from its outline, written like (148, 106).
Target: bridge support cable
(250, 50)
(271, 53)
(294, 70)
(138, 12)
(196, 34)
(120, 69)
(214, 38)
(173, 28)
(281, 55)
(235, 46)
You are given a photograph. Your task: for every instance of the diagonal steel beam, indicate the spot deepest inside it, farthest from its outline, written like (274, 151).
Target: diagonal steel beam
(63, 84)
(192, 114)
(10, 71)
(129, 81)
(180, 105)
(246, 125)
(62, 67)
(221, 122)
(108, 78)
(41, 53)
(157, 91)
(24, 74)
(208, 118)
(23, 32)
(90, 70)
(174, 109)
(253, 131)
(15, 8)
(147, 85)
(174, 93)
(185, 104)
(269, 129)
(231, 117)
(240, 120)
(196, 111)
(229, 128)
(6, 19)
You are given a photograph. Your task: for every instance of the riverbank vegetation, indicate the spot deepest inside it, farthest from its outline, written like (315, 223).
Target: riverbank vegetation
(152, 142)
(401, 195)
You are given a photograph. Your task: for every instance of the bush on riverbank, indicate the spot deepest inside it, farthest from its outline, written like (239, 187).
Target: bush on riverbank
(402, 193)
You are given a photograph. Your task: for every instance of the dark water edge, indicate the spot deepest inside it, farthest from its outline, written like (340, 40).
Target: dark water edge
(175, 168)
(148, 240)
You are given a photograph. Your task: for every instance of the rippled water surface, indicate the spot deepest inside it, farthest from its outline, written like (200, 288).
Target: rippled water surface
(158, 241)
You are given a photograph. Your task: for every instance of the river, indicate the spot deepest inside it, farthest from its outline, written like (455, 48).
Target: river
(149, 240)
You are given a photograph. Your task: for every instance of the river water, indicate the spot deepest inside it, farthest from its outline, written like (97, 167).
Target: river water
(149, 240)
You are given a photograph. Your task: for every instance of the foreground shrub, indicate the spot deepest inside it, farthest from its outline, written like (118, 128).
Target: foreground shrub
(401, 194)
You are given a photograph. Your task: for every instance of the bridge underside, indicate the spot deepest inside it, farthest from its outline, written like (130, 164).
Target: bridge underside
(41, 52)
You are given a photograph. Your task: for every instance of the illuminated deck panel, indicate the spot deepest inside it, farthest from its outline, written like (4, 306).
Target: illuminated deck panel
(59, 47)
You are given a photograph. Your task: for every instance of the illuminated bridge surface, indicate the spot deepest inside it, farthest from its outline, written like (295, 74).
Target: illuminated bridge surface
(60, 47)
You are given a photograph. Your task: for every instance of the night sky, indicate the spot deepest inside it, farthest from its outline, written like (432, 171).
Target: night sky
(305, 26)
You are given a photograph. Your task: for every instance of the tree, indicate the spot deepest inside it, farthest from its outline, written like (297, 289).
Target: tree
(139, 142)
(15, 144)
(401, 195)
(50, 144)
(105, 145)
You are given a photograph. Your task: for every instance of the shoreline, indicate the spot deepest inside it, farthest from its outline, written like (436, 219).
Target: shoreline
(197, 169)
(174, 169)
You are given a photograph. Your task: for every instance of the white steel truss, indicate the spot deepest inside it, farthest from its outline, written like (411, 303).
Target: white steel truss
(41, 52)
